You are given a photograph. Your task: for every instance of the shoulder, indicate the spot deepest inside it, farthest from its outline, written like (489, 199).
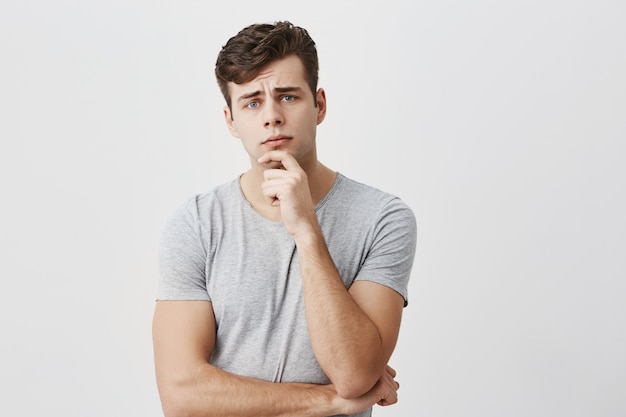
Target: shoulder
(360, 197)
(195, 205)
(198, 211)
(222, 194)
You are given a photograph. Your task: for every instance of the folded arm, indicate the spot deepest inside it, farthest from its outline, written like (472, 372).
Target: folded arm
(184, 337)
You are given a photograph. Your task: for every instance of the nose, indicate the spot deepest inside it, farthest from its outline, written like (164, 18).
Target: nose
(273, 115)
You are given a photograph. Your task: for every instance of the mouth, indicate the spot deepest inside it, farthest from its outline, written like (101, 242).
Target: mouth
(276, 140)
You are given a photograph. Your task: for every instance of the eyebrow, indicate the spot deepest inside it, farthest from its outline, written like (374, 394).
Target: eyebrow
(279, 90)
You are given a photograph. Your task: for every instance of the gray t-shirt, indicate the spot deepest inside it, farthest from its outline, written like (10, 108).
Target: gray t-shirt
(216, 247)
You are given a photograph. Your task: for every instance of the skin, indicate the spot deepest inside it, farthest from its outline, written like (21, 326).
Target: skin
(353, 332)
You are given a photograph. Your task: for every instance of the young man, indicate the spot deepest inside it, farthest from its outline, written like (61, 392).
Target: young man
(282, 291)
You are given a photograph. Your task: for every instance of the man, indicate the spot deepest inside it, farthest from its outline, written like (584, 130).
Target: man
(282, 291)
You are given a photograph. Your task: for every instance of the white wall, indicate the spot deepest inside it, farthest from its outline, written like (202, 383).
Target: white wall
(503, 124)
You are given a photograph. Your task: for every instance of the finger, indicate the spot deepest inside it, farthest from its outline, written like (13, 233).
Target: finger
(388, 400)
(287, 161)
(392, 384)
(271, 193)
(272, 156)
(391, 371)
(269, 163)
(274, 173)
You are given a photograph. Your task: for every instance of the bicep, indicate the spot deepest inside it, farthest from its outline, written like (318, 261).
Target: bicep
(383, 306)
(183, 335)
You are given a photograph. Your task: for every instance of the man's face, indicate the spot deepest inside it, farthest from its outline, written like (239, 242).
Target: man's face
(276, 110)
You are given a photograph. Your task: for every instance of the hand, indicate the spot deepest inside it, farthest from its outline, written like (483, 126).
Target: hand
(384, 393)
(289, 189)
(389, 387)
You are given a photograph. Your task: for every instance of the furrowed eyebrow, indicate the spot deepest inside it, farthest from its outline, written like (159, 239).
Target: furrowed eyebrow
(287, 89)
(249, 95)
(279, 90)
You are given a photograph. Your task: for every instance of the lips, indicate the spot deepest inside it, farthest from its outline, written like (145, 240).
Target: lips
(276, 140)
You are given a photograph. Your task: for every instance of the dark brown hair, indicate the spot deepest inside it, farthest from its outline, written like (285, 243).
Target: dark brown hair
(258, 45)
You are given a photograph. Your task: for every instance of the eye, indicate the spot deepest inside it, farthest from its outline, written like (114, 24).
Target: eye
(252, 105)
(289, 99)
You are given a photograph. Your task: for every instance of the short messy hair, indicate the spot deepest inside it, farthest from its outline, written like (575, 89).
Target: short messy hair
(258, 45)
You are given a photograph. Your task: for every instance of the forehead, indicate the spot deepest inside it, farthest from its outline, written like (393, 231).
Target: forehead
(288, 71)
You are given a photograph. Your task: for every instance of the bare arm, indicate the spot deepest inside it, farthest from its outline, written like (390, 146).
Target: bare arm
(353, 333)
(184, 337)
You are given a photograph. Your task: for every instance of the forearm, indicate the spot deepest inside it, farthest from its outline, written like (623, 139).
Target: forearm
(210, 391)
(346, 342)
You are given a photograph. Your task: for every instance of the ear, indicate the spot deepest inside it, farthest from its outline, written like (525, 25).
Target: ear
(321, 105)
(228, 116)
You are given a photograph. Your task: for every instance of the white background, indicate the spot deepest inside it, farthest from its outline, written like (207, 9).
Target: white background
(502, 123)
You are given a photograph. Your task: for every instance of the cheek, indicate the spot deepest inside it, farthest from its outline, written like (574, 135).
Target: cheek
(243, 127)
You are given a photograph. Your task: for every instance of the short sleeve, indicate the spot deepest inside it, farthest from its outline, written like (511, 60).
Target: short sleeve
(182, 256)
(391, 255)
